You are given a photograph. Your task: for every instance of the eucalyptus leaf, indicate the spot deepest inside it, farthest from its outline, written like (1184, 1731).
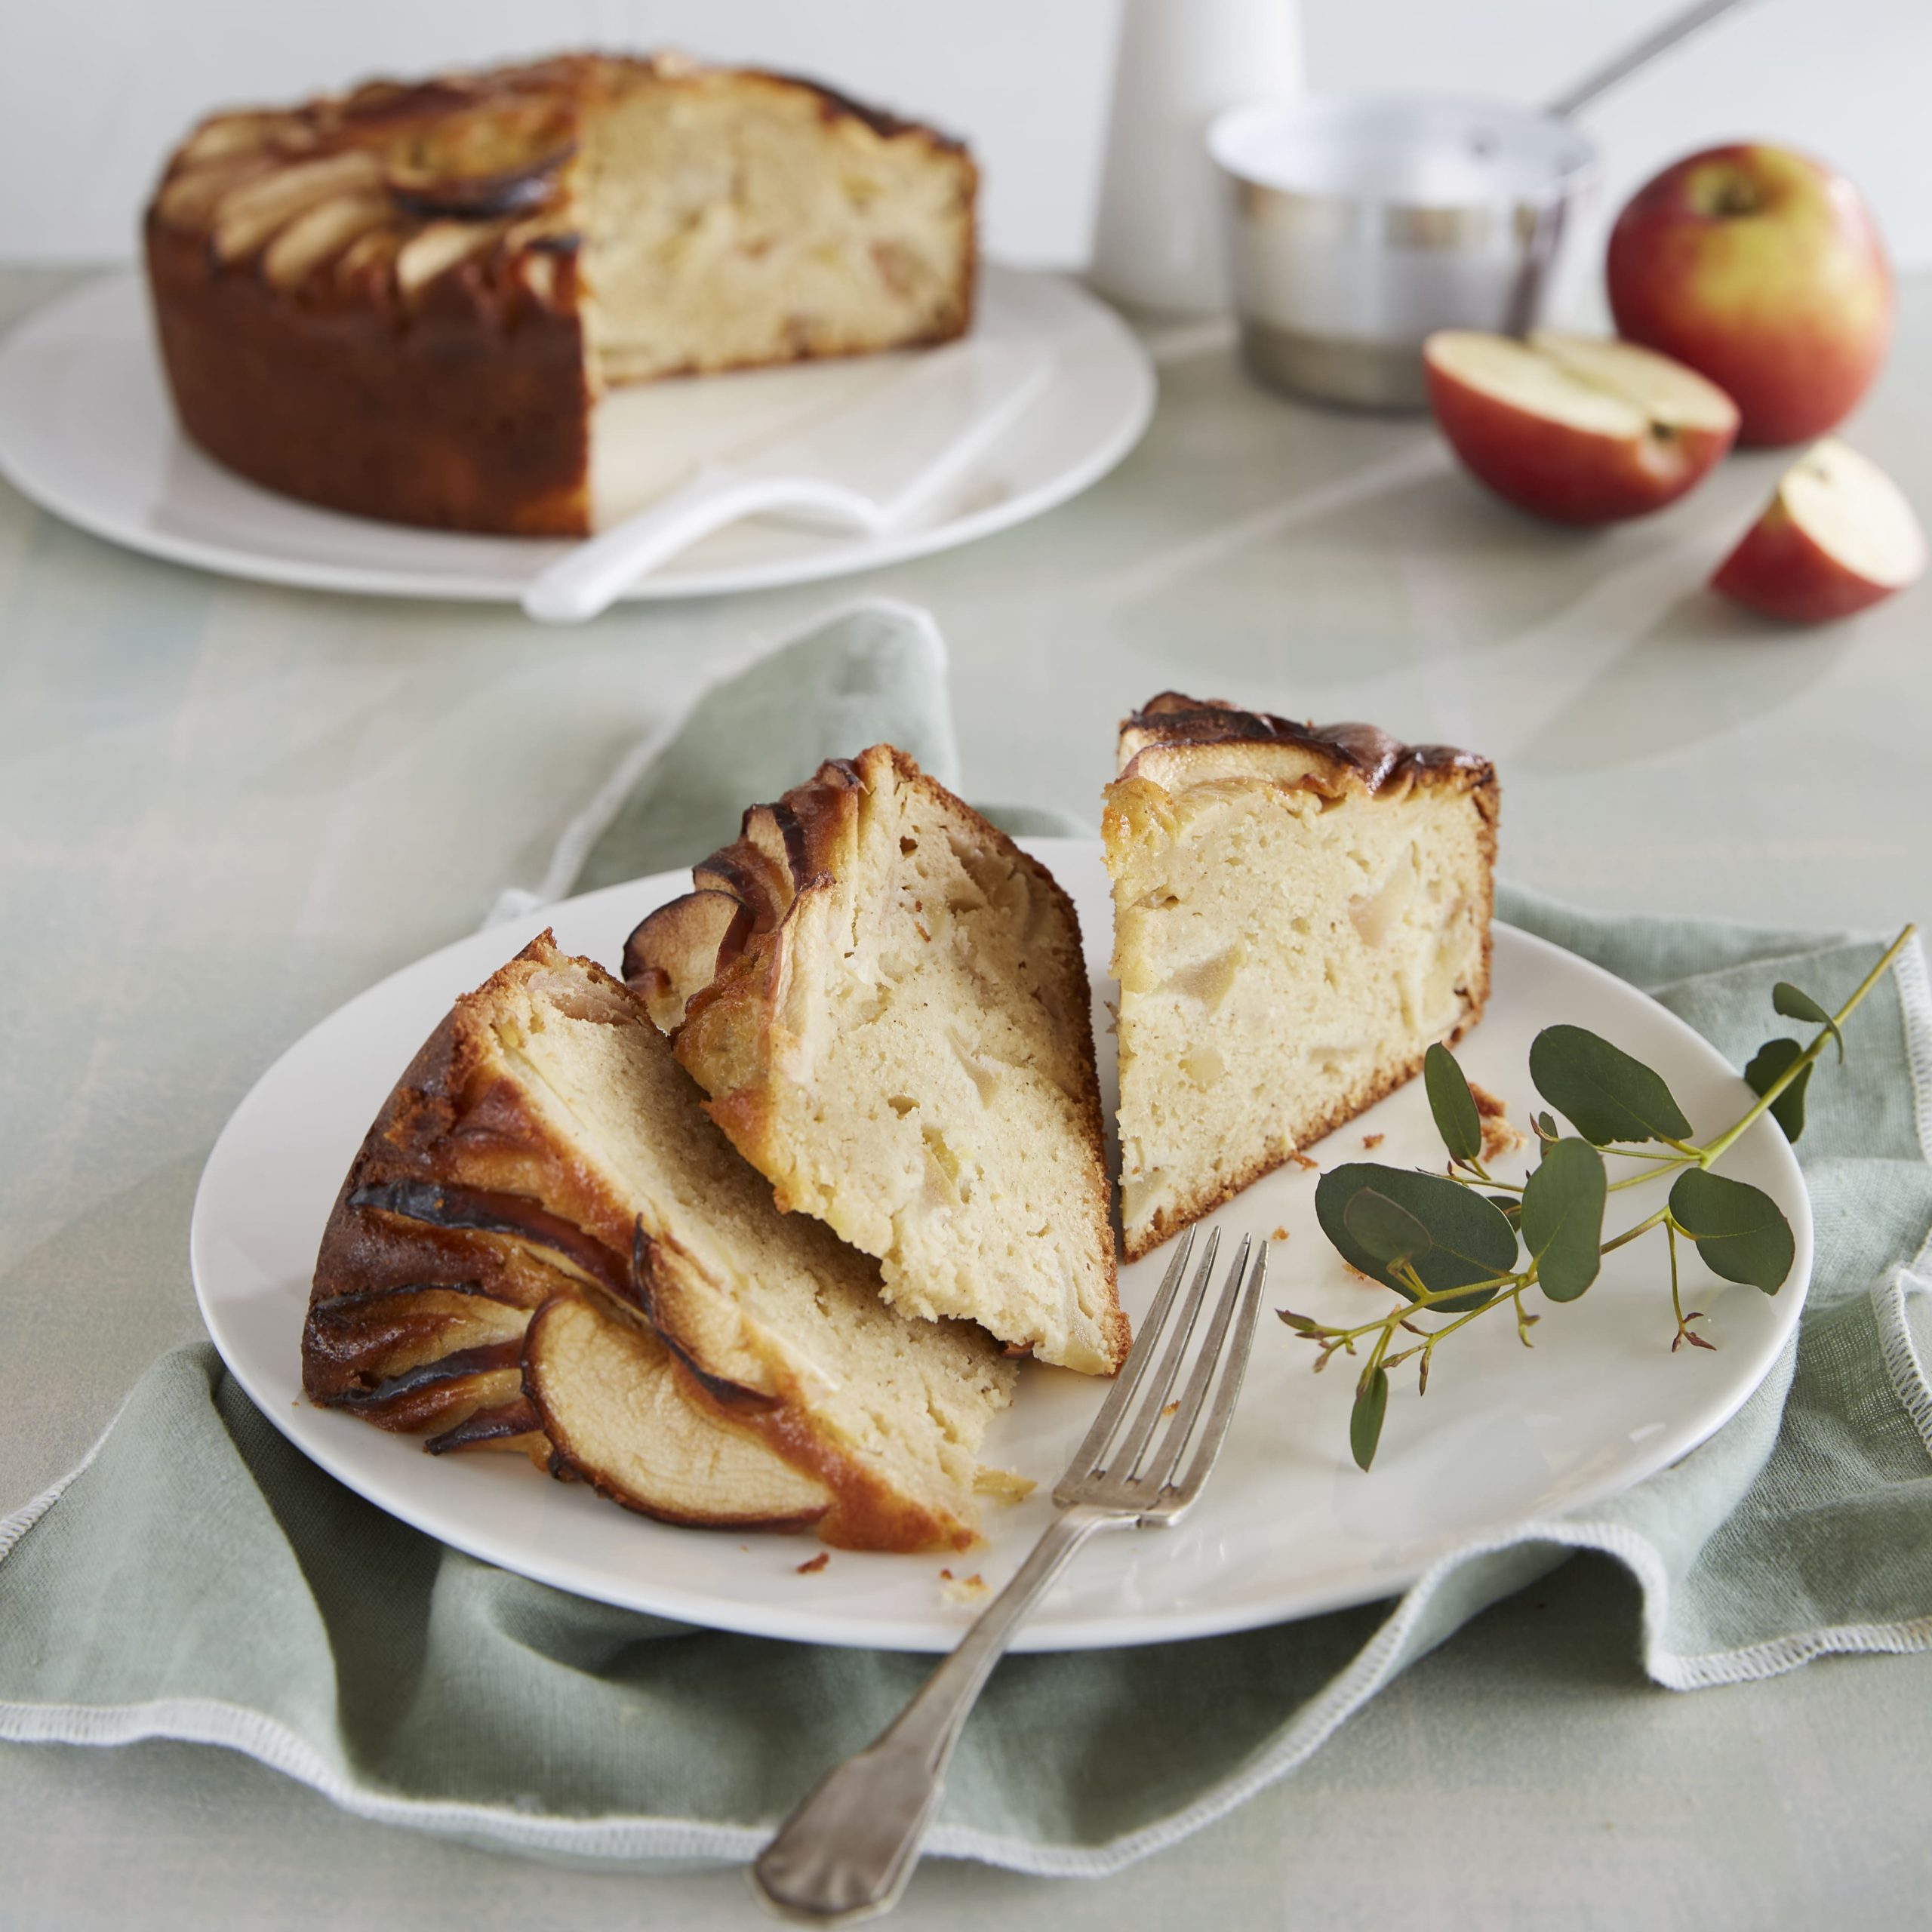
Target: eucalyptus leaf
(1767, 1066)
(1546, 1128)
(1738, 1228)
(1469, 1239)
(1365, 1418)
(1508, 1206)
(1562, 1219)
(1605, 1094)
(1453, 1106)
(1794, 1003)
(1389, 1232)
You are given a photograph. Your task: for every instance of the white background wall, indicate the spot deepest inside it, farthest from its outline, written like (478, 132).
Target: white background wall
(93, 92)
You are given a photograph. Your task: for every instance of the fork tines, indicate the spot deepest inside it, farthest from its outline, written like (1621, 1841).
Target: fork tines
(1131, 1468)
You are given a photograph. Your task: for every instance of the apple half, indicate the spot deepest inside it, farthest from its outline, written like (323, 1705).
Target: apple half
(1577, 428)
(1839, 537)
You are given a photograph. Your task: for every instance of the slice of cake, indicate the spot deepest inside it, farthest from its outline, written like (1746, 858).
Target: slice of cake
(402, 302)
(1298, 912)
(544, 1242)
(887, 1000)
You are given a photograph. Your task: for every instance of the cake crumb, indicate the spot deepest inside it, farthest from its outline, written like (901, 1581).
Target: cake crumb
(1173, 1408)
(1371, 1141)
(962, 1589)
(1302, 1160)
(816, 1564)
(1499, 1135)
(1003, 1485)
(1280, 1234)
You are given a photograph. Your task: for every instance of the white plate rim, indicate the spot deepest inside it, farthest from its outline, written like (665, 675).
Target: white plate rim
(51, 484)
(269, 1384)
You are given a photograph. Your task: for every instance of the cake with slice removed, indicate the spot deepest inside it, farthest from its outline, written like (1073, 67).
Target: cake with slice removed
(543, 1242)
(887, 1000)
(405, 301)
(1298, 912)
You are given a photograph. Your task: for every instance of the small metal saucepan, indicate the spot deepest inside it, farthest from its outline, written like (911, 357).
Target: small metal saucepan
(1359, 225)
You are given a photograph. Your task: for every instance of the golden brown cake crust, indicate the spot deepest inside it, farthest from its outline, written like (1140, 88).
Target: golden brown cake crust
(400, 337)
(460, 1219)
(722, 1003)
(1173, 733)
(1327, 756)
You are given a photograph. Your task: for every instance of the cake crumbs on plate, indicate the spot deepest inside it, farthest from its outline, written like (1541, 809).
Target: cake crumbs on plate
(1372, 1141)
(962, 1589)
(1304, 1161)
(1003, 1485)
(1500, 1135)
(1173, 1408)
(1280, 1234)
(813, 1565)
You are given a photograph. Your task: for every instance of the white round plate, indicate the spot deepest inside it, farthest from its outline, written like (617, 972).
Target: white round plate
(1288, 1526)
(88, 432)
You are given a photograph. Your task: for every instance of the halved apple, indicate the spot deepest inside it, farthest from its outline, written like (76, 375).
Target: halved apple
(1837, 536)
(1574, 428)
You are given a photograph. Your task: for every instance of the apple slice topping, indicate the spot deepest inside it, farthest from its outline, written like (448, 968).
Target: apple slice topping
(1574, 428)
(497, 159)
(1839, 537)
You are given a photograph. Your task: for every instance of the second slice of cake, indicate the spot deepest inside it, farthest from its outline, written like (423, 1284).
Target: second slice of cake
(886, 999)
(1298, 912)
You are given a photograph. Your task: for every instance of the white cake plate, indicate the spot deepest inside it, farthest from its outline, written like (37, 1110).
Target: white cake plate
(86, 431)
(1288, 1526)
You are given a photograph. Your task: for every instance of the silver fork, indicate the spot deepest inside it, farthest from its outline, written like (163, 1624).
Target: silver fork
(847, 1852)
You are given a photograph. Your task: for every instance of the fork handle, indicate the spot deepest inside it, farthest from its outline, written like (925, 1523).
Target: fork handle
(847, 1852)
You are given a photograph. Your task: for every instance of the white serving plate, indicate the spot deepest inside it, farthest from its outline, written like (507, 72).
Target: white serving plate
(86, 431)
(1287, 1527)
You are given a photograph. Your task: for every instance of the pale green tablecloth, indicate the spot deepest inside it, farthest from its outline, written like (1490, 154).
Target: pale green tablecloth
(198, 1578)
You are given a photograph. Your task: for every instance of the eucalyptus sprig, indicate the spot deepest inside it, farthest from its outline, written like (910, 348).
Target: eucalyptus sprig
(1463, 1242)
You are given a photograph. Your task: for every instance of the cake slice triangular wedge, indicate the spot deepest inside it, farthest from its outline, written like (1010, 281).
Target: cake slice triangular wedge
(544, 1241)
(1300, 912)
(887, 1000)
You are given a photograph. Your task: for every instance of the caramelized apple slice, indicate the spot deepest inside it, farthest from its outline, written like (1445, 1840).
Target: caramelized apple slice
(499, 159)
(620, 1413)
(679, 948)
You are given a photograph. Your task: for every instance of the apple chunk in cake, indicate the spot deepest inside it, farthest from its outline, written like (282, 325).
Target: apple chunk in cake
(1298, 914)
(886, 1000)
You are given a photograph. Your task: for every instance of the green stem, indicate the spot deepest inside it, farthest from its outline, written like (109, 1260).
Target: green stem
(1676, 1295)
(1631, 1234)
(1727, 1139)
(1666, 1164)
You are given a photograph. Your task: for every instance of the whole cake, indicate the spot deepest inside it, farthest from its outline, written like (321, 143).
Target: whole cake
(1298, 912)
(543, 1243)
(887, 1000)
(402, 302)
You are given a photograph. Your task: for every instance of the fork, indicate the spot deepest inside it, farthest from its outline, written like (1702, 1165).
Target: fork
(847, 1852)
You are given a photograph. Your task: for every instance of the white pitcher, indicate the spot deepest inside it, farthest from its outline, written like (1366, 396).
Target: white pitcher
(1158, 241)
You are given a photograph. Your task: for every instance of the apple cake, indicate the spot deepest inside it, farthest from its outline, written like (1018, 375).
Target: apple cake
(403, 301)
(543, 1243)
(887, 1000)
(1298, 912)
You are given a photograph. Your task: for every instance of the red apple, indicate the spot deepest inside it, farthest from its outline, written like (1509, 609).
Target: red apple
(1575, 429)
(1763, 270)
(1838, 536)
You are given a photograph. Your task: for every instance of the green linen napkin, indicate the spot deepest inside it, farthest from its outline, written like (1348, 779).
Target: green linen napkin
(197, 1578)
(872, 670)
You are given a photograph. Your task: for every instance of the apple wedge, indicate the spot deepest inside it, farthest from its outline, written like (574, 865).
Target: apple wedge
(1837, 537)
(1573, 428)
(623, 1414)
